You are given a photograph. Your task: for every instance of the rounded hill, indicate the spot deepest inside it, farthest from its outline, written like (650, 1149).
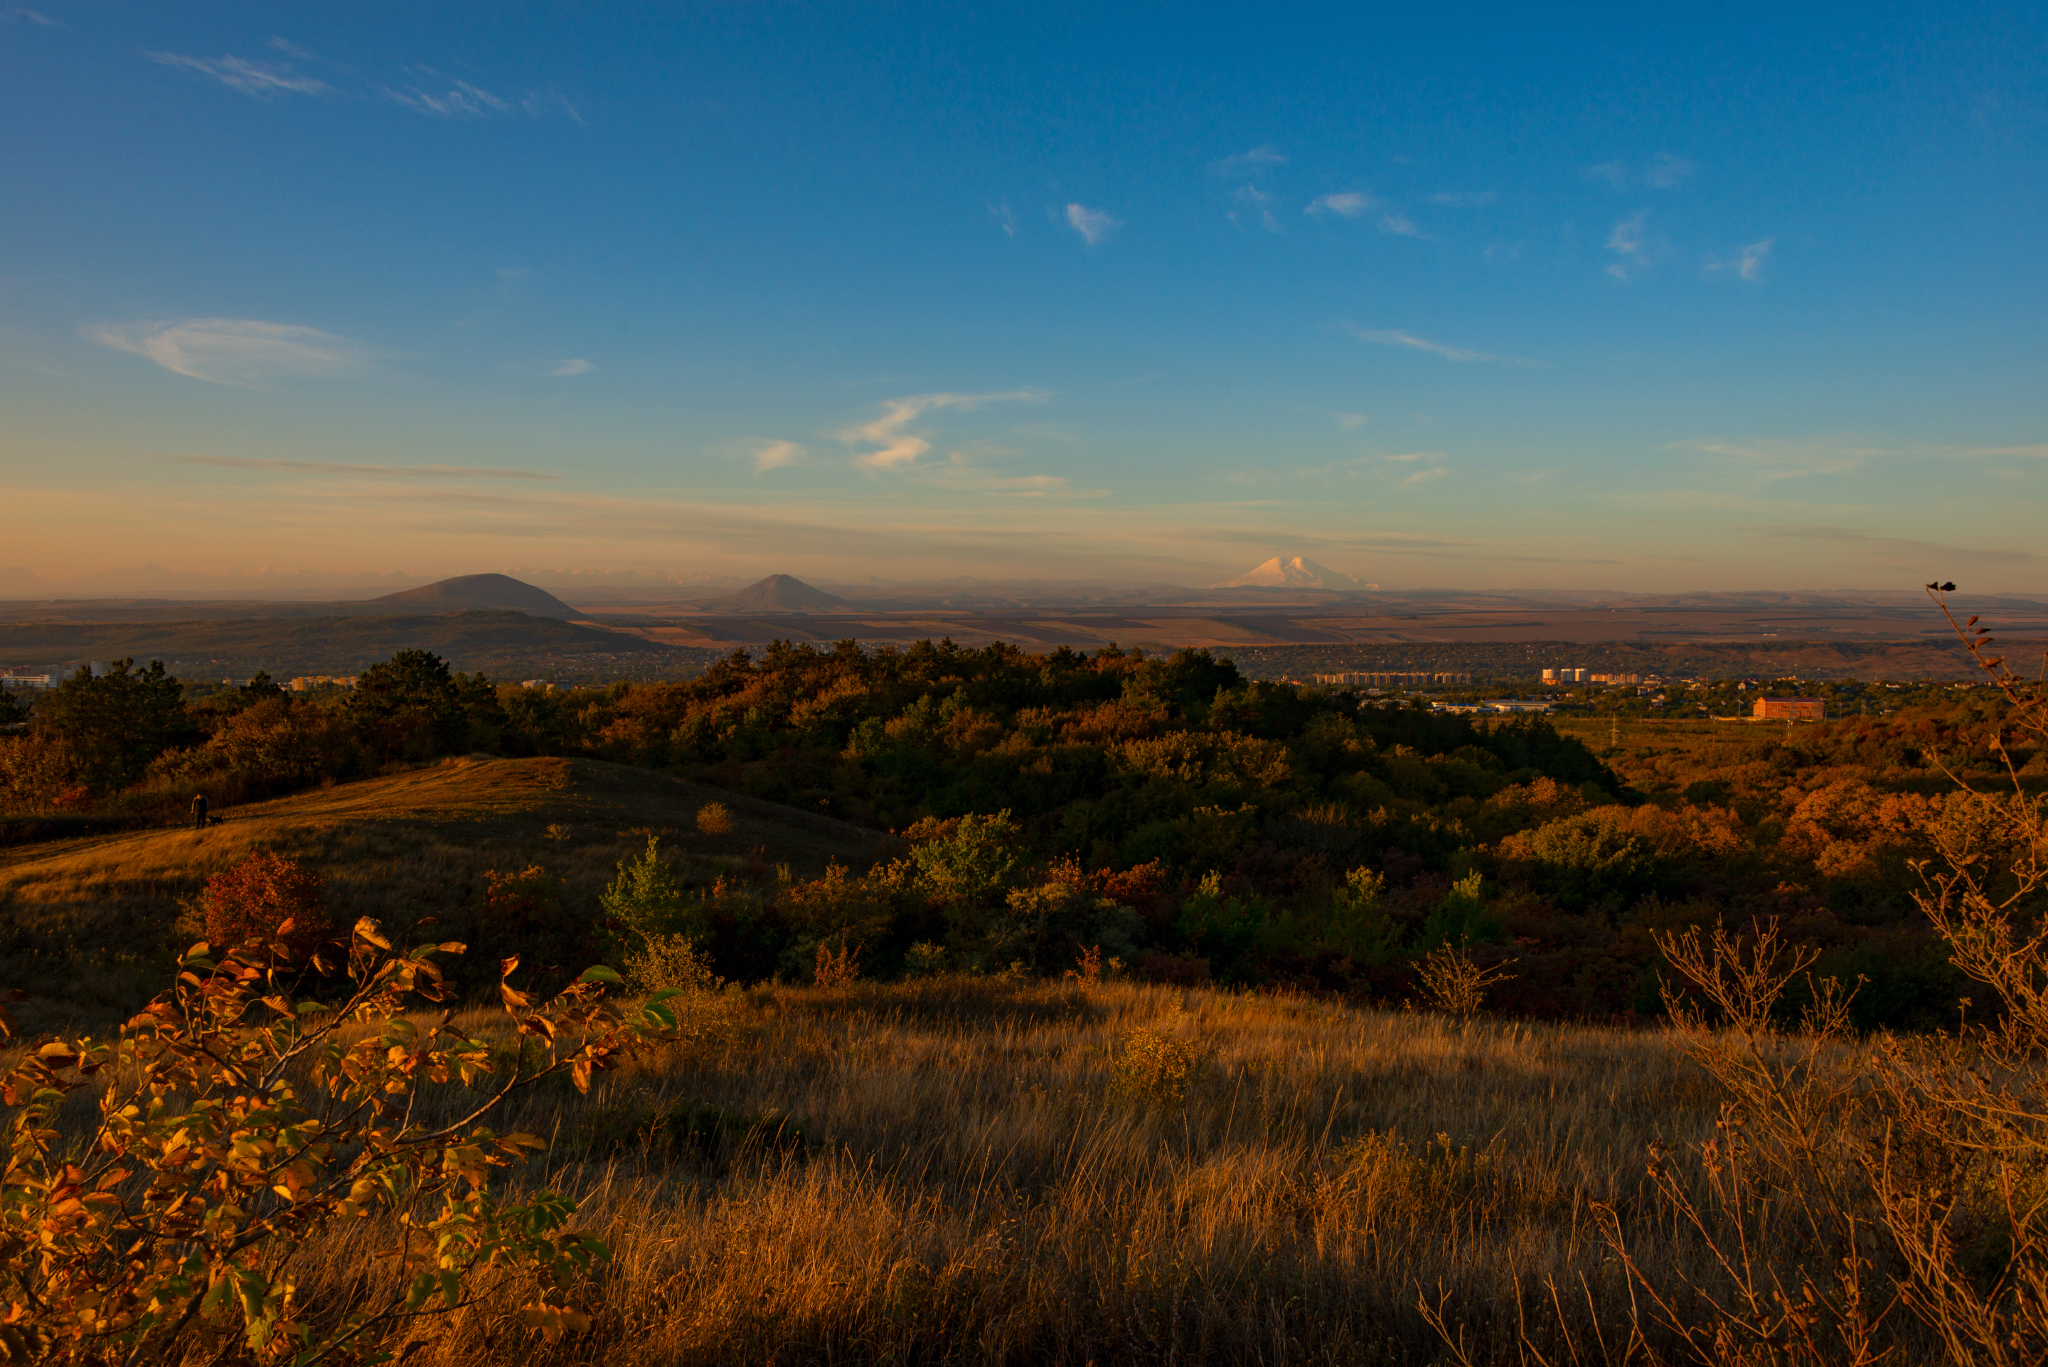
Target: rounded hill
(471, 591)
(778, 593)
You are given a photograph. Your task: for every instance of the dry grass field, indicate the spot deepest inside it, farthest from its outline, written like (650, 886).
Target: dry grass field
(89, 925)
(989, 1170)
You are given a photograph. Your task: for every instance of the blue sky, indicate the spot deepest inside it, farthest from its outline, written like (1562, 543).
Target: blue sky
(1734, 298)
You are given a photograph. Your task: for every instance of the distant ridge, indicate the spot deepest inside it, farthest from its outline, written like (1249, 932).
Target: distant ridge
(471, 591)
(1294, 572)
(777, 593)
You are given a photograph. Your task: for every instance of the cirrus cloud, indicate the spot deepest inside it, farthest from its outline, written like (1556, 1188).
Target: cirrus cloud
(1345, 204)
(261, 79)
(898, 448)
(1748, 264)
(1392, 337)
(773, 455)
(236, 351)
(329, 467)
(1094, 225)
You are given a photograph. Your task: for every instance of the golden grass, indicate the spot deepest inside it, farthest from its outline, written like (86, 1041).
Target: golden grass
(87, 925)
(971, 1185)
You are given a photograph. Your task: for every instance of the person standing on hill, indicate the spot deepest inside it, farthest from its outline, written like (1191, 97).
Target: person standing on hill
(199, 812)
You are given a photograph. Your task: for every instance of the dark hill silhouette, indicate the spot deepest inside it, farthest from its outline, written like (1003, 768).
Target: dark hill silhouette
(777, 593)
(469, 592)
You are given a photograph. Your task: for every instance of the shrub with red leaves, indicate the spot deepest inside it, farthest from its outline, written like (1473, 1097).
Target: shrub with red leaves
(255, 897)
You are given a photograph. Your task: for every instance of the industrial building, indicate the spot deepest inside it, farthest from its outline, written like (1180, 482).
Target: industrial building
(1789, 709)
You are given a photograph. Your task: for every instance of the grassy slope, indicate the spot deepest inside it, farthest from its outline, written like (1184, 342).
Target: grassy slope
(87, 924)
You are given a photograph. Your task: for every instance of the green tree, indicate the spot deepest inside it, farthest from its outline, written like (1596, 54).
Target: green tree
(116, 722)
(1225, 930)
(259, 687)
(649, 901)
(410, 706)
(1359, 927)
(968, 860)
(1461, 918)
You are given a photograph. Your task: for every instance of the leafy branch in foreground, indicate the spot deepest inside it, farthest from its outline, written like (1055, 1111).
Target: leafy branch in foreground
(235, 1120)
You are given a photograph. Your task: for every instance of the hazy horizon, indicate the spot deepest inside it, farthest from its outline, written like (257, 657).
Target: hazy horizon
(1741, 300)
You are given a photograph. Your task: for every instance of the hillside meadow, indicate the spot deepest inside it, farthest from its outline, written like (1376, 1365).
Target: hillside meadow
(89, 924)
(964, 1169)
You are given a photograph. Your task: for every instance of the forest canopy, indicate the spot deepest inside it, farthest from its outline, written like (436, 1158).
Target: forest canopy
(1181, 820)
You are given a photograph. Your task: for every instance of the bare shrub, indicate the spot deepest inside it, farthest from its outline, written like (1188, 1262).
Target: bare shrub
(1455, 982)
(925, 960)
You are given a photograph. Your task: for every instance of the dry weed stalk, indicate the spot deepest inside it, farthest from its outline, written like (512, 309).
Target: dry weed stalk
(836, 968)
(1454, 981)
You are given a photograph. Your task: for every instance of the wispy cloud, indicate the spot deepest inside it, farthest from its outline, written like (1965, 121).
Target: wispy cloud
(1747, 264)
(1662, 172)
(1258, 159)
(325, 467)
(236, 351)
(959, 473)
(1929, 555)
(1094, 225)
(1666, 170)
(1789, 459)
(1351, 422)
(898, 448)
(1627, 242)
(460, 100)
(1464, 199)
(1251, 199)
(29, 16)
(261, 79)
(2036, 452)
(421, 89)
(773, 455)
(575, 365)
(1346, 204)
(445, 97)
(1389, 337)
(1399, 224)
(1004, 218)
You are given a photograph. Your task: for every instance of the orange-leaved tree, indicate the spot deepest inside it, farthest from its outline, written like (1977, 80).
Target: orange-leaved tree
(254, 898)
